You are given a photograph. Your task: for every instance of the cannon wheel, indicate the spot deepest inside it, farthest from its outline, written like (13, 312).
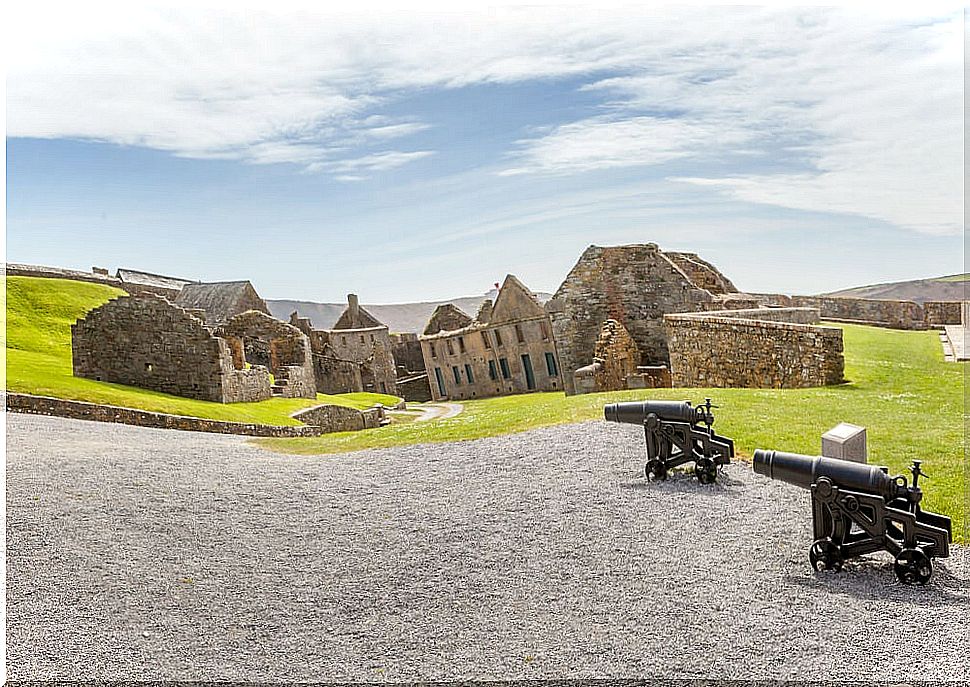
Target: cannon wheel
(825, 555)
(705, 470)
(913, 566)
(656, 470)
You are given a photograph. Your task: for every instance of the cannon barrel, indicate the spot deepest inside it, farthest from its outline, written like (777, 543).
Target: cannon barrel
(803, 471)
(635, 412)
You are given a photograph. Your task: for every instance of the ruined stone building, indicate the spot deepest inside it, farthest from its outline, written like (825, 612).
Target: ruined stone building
(148, 342)
(220, 301)
(615, 358)
(635, 285)
(135, 281)
(353, 356)
(506, 349)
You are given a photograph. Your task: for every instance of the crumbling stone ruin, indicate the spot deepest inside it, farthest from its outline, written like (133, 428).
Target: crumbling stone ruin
(615, 358)
(148, 342)
(255, 338)
(412, 378)
(508, 348)
(353, 356)
(636, 285)
(221, 301)
(761, 348)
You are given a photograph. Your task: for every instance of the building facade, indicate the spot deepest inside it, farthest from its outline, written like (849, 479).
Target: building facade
(507, 348)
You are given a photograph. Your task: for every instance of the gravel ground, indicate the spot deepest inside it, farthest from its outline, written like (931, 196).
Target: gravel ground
(153, 554)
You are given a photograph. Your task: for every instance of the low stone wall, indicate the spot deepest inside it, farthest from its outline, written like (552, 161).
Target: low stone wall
(323, 421)
(790, 315)
(415, 388)
(893, 314)
(939, 313)
(13, 269)
(714, 350)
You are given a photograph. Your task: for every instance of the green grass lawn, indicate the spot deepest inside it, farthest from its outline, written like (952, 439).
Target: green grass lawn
(909, 400)
(38, 345)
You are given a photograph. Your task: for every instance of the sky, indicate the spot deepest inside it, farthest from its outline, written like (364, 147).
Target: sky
(424, 155)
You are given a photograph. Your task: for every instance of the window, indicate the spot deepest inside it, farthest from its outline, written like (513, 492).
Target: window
(461, 344)
(451, 349)
(488, 344)
(504, 364)
(492, 372)
(454, 368)
(434, 352)
(551, 364)
(468, 374)
(544, 326)
(498, 338)
(519, 336)
(343, 340)
(383, 388)
(362, 338)
(371, 337)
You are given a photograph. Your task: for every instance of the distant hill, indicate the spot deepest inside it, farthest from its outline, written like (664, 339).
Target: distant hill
(399, 317)
(951, 288)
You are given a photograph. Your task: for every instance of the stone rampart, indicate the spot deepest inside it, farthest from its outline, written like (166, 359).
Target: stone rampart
(13, 269)
(716, 349)
(880, 313)
(939, 313)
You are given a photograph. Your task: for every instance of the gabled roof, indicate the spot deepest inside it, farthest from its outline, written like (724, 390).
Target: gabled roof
(364, 320)
(447, 318)
(149, 279)
(515, 302)
(221, 300)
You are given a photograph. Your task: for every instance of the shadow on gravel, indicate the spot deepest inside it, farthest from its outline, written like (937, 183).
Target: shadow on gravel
(874, 580)
(683, 482)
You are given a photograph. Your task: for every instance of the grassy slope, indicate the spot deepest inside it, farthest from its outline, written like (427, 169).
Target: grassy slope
(38, 342)
(910, 401)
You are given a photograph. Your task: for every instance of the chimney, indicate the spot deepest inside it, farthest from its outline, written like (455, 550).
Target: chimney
(354, 306)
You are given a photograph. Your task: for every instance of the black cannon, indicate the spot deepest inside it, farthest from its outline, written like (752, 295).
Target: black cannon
(858, 509)
(675, 435)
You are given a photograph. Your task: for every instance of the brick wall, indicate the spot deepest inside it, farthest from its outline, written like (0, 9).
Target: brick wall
(719, 350)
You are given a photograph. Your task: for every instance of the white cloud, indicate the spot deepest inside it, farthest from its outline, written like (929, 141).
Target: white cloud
(853, 113)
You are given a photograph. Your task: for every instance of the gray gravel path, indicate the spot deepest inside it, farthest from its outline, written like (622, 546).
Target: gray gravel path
(153, 554)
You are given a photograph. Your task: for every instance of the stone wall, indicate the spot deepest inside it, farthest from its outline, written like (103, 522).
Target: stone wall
(341, 418)
(315, 423)
(416, 388)
(883, 313)
(406, 350)
(147, 342)
(95, 276)
(714, 350)
(280, 347)
(615, 358)
(939, 313)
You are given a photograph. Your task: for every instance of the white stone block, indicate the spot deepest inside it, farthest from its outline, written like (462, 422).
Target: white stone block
(846, 442)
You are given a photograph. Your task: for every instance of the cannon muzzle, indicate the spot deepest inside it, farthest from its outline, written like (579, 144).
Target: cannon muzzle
(635, 412)
(803, 471)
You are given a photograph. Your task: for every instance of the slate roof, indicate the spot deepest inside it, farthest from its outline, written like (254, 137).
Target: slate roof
(149, 279)
(221, 301)
(364, 320)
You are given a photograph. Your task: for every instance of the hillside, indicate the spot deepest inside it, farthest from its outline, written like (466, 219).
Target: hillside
(951, 288)
(399, 317)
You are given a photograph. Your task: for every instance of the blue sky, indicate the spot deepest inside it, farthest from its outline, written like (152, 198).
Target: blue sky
(423, 156)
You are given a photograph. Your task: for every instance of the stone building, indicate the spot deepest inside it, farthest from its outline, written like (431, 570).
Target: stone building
(636, 285)
(135, 281)
(507, 349)
(614, 359)
(255, 338)
(148, 342)
(353, 356)
(221, 301)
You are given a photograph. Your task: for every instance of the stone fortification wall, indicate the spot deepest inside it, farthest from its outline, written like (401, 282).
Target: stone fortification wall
(790, 315)
(147, 342)
(415, 388)
(894, 314)
(316, 423)
(714, 350)
(938, 313)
